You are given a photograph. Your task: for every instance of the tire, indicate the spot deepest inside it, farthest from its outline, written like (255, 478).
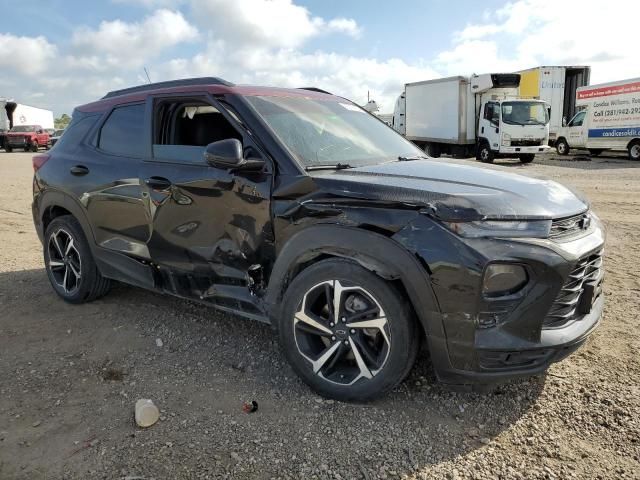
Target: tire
(634, 150)
(8, 149)
(528, 158)
(351, 363)
(72, 270)
(562, 147)
(28, 148)
(485, 154)
(594, 152)
(432, 150)
(34, 147)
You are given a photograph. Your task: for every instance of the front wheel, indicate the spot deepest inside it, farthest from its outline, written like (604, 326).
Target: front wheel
(346, 332)
(562, 147)
(70, 266)
(528, 158)
(8, 149)
(634, 150)
(34, 147)
(485, 154)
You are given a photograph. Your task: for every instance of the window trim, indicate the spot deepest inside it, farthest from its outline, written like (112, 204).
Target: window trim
(103, 121)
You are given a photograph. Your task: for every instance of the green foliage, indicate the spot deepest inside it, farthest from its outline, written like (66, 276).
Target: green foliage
(62, 122)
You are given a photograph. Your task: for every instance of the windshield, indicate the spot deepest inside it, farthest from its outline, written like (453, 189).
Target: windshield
(525, 113)
(23, 128)
(327, 132)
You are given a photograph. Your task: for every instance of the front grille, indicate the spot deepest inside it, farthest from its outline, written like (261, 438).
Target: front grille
(570, 303)
(567, 226)
(525, 143)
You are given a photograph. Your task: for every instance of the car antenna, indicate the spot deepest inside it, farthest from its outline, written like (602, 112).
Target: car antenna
(146, 72)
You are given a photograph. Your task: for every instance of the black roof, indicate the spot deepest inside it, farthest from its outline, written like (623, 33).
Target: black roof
(187, 82)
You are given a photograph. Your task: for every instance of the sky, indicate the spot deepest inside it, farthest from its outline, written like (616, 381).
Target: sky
(57, 54)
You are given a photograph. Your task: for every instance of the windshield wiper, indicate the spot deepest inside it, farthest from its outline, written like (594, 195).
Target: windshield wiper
(415, 157)
(333, 166)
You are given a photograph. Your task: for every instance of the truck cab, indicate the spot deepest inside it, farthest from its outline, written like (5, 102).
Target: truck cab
(512, 127)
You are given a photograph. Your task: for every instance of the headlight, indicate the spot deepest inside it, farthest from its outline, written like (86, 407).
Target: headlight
(502, 279)
(506, 140)
(501, 228)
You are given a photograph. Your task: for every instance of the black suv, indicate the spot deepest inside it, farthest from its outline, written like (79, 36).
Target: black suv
(298, 208)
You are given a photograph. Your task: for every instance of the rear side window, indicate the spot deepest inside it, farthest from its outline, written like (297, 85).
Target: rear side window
(76, 131)
(123, 132)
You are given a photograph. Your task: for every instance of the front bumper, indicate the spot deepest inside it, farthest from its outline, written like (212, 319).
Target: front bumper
(520, 341)
(523, 150)
(19, 143)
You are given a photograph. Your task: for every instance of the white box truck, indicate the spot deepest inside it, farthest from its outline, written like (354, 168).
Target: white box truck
(556, 85)
(479, 116)
(14, 114)
(609, 119)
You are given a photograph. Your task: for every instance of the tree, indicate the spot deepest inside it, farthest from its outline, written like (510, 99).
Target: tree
(62, 122)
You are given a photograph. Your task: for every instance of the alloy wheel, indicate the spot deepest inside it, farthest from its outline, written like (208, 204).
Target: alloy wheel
(342, 331)
(64, 263)
(634, 151)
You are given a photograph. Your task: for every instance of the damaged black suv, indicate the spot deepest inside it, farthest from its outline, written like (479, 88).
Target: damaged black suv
(298, 208)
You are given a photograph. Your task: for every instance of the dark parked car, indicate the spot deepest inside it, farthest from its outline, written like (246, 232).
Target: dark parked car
(298, 208)
(56, 136)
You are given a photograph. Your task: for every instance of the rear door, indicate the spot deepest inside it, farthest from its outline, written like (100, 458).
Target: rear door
(208, 225)
(108, 185)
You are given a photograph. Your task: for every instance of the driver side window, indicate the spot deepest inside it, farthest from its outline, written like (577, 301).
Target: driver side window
(183, 127)
(492, 113)
(577, 120)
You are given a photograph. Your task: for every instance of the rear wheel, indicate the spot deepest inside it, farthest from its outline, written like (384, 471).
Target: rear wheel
(348, 333)
(634, 150)
(70, 266)
(562, 147)
(528, 158)
(485, 154)
(432, 150)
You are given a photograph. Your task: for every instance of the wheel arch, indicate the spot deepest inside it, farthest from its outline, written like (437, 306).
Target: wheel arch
(373, 251)
(53, 204)
(632, 142)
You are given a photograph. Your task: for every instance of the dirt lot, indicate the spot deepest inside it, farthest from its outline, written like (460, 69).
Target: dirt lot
(70, 375)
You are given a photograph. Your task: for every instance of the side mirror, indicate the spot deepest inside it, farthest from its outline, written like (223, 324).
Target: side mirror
(564, 121)
(228, 153)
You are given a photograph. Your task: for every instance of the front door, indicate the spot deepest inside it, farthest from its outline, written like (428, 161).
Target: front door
(208, 224)
(576, 130)
(489, 125)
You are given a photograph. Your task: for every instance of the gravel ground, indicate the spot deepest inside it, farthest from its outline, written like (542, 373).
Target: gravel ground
(70, 375)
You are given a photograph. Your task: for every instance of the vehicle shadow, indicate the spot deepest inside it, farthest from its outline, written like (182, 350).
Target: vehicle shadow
(199, 365)
(578, 160)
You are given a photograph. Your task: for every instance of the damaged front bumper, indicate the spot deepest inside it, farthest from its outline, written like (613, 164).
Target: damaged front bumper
(475, 339)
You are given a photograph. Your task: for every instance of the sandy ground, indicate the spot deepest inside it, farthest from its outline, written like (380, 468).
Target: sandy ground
(70, 375)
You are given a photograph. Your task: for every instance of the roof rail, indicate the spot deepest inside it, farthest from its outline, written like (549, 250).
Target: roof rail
(186, 82)
(315, 89)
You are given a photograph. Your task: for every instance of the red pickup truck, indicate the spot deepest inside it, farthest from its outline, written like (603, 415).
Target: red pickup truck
(28, 137)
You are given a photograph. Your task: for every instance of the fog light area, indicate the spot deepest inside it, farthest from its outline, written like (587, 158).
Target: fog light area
(502, 279)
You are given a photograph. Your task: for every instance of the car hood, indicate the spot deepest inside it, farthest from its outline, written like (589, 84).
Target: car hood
(455, 192)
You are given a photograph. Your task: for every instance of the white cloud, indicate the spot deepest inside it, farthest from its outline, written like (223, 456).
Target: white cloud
(265, 23)
(28, 56)
(571, 32)
(130, 44)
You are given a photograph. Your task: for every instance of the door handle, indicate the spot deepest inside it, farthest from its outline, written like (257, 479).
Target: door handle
(79, 170)
(158, 183)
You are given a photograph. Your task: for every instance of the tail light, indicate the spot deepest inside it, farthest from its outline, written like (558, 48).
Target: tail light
(39, 160)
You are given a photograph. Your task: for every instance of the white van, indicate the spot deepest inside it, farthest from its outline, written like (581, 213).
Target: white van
(609, 120)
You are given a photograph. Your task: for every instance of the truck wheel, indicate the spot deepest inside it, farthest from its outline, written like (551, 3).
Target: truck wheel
(634, 150)
(8, 149)
(562, 147)
(432, 150)
(528, 158)
(594, 152)
(349, 334)
(34, 147)
(485, 155)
